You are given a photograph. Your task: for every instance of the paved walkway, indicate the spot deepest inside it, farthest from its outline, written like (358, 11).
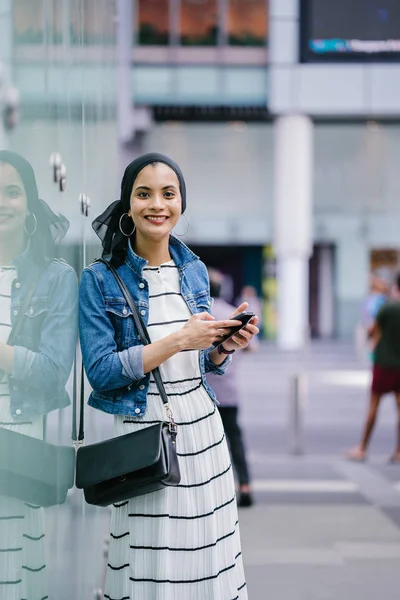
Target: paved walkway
(322, 528)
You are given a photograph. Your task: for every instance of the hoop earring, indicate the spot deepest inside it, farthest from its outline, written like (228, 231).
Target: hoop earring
(187, 226)
(31, 233)
(120, 226)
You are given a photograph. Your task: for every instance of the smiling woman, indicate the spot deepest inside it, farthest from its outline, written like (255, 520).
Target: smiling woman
(186, 536)
(37, 346)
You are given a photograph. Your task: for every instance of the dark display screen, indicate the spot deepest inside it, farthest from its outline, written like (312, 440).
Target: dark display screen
(349, 30)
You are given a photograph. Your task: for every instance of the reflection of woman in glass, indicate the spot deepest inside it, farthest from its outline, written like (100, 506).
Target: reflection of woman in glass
(180, 543)
(34, 370)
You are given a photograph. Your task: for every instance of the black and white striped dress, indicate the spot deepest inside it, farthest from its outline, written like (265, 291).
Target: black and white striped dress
(22, 560)
(181, 543)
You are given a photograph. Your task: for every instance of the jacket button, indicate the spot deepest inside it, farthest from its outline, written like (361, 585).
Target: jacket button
(17, 285)
(137, 410)
(141, 387)
(15, 388)
(18, 411)
(141, 285)
(15, 312)
(124, 311)
(143, 312)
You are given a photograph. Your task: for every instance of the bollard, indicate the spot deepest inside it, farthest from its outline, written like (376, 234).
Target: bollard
(297, 402)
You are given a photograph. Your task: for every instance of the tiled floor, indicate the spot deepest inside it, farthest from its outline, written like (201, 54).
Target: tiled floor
(321, 529)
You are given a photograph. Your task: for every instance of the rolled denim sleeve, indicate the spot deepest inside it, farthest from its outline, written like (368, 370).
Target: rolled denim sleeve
(106, 368)
(132, 362)
(49, 366)
(211, 367)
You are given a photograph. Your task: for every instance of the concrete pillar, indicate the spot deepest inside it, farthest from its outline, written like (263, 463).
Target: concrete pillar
(293, 167)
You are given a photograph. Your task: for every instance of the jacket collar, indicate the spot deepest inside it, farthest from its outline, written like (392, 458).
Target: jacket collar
(180, 253)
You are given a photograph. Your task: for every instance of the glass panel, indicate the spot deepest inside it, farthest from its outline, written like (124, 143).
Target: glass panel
(32, 25)
(247, 22)
(50, 549)
(92, 22)
(199, 22)
(153, 20)
(28, 21)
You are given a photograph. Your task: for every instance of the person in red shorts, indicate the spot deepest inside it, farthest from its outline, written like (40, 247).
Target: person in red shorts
(386, 370)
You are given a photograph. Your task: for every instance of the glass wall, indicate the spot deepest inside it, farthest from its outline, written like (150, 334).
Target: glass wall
(92, 21)
(249, 31)
(29, 22)
(156, 22)
(51, 543)
(199, 22)
(60, 21)
(153, 22)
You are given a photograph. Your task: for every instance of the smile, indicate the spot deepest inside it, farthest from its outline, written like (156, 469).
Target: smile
(156, 220)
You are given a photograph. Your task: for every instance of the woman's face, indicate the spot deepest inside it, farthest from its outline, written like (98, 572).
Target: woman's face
(156, 202)
(13, 201)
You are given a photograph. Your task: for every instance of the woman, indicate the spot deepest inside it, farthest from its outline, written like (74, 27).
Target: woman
(35, 368)
(181, 542)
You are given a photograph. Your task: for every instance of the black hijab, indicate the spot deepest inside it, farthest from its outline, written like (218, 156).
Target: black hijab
(106, 225)
(49, 228)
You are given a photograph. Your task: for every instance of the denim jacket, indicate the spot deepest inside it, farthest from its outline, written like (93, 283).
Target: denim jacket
(45, 347)
(111, 349)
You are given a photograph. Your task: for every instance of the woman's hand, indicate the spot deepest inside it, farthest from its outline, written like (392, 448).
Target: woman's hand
(202, 330)
(242, 338)
(198, 333)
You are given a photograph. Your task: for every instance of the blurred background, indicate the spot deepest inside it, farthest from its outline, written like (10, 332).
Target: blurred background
(285, 118)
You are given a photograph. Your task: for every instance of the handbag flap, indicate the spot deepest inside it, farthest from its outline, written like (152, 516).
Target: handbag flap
(118, 456)
(35, 459)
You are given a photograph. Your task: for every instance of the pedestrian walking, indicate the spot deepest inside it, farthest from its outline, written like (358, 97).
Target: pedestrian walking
(385, 331)
(228, 395)
(180, 542)
(380, 284)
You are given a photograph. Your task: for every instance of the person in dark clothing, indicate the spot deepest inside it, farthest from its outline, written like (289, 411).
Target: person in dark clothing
(386, 371)
(228, 397)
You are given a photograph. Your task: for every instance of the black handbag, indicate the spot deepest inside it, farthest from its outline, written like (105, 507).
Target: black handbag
(134, 464)
(31, 469)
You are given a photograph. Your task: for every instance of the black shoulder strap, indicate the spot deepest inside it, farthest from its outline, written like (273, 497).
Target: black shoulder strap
(144, 338)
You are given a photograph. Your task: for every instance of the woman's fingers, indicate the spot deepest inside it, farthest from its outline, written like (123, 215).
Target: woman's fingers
(242, 308)
(204, 316)
(244, 336)
(254, 320)
(227, 324)
(253, 329)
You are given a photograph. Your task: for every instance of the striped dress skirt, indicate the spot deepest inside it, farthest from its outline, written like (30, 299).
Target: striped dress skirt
(179, 543)
(22, 537)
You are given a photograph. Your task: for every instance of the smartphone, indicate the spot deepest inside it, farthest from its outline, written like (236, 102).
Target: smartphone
(244, 317)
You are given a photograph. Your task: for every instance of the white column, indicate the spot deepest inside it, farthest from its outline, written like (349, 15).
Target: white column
(293, 226)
